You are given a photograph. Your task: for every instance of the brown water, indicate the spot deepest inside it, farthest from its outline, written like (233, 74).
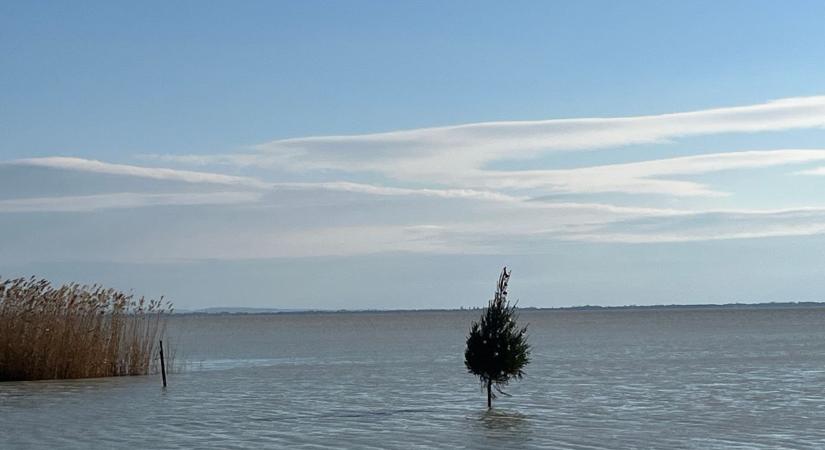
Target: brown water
(735, 378)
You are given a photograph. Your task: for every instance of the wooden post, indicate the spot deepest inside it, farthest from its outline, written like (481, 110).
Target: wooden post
(162, 364)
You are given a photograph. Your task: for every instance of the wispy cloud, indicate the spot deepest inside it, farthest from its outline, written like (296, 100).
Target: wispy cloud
(814, 171)
(157, 173)
(436, 190)
(667, 227)
(444, 153)
(362, 188)
(86, 203)
(645, 177)
(311, 220)
(710, 226)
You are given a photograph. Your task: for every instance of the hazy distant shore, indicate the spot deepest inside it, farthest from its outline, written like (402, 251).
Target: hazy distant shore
(264, 311)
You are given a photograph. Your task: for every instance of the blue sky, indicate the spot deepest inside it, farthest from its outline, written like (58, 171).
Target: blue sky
(395, 155)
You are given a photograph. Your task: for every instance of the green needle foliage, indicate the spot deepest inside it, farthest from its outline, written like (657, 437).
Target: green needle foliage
(497, 349)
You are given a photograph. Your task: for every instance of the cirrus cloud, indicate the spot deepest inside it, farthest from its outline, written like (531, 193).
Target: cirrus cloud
(442, 154)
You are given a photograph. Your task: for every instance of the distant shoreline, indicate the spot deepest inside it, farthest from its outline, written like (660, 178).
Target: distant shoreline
(271, 311)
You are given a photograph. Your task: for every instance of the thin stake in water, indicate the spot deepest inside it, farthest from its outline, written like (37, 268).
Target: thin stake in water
(162, 364)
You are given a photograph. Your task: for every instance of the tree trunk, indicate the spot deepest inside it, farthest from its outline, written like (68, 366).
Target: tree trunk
(489, 394)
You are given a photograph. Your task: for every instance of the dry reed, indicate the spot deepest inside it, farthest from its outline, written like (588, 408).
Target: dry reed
(76, 331)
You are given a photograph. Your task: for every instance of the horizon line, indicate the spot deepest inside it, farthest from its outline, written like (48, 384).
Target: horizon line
(266, 311)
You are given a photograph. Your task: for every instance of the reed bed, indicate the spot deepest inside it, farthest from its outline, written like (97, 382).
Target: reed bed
(76, 331)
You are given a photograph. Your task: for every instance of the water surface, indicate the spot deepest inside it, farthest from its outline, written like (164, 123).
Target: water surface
(707, 378)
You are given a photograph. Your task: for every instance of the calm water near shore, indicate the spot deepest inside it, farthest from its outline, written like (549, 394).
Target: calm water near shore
(670, 378)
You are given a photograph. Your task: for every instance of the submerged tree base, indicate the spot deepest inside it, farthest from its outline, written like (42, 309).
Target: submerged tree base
(76, 331)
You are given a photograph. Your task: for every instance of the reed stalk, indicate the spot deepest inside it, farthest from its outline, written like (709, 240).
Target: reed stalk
(76, 331)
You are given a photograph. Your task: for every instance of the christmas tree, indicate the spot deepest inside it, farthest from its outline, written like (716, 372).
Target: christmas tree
(497, 349)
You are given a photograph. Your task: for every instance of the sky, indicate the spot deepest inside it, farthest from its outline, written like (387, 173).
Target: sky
(359, 155)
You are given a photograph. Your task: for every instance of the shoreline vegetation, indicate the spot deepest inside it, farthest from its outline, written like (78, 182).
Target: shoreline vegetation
(77, 331)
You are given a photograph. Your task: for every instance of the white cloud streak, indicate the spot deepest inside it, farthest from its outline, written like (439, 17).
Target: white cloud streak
(816, 171)
(637, 177)
(442, 154)
(642, 177)
(361, 188)
(672, 227)
(86, 203)
(710, 225)
(93, 166)
(98, 167)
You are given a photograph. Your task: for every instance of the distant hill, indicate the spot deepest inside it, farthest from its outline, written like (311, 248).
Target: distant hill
(767, 305)
(245, 310)
(239, 310)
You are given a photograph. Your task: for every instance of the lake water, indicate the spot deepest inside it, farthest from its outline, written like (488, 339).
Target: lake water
(710, 378)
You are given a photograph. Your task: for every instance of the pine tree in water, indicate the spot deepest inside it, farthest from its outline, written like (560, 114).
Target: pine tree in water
(497, 350)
